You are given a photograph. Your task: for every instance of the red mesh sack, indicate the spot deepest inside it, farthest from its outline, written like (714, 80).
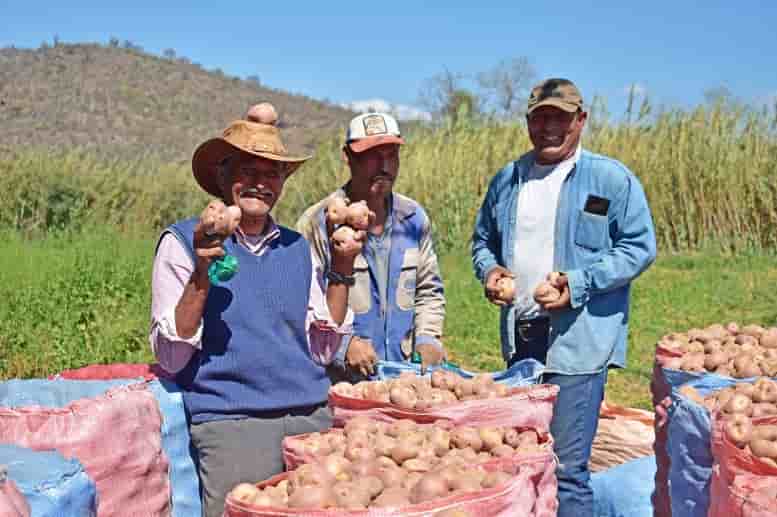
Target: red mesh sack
(531, 492)
(12, 501)
(746, 496)
(106, 372)
(116, 437)
(529, 406)
(740, 477)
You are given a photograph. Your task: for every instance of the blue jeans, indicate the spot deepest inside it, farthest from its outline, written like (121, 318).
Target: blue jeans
(575, 419)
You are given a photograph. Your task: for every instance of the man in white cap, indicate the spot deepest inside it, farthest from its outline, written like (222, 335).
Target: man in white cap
(396, 290)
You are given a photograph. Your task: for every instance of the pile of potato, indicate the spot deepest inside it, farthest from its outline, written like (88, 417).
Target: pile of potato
(731, 350)
(374, 484)
(420, 447)
(377, 464)
(737, 405)
(750, 399)
(411, 391)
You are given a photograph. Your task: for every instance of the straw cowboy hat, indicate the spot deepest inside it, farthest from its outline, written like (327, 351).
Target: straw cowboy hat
(250, 136)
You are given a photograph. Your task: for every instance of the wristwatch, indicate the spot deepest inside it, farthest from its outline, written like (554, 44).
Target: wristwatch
(336, 278)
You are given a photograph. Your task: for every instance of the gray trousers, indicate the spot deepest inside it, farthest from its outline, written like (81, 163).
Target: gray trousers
(246, 450)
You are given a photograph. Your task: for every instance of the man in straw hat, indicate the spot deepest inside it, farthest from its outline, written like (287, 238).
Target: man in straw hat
(249, 351)
(581, 222)
(397, 294)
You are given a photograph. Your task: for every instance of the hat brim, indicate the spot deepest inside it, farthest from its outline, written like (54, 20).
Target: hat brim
(362, 144)
(209, 155)
(569, 107)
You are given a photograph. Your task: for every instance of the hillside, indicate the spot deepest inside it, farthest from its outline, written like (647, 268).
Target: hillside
(125, 102)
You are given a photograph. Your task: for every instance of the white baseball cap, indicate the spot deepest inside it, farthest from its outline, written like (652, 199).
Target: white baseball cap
(371, 129)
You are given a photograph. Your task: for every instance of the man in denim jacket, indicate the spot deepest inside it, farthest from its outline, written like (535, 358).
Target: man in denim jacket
(397, 292)
(583, 217)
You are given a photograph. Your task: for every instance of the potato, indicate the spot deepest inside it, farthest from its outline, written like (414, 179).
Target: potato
(337, 210)
(310, 474)
(738, 404)
(394, 496)
(337, 466)
(359, 215)
(345, 237)
(466, 437)
(753, 330)
(403, 397)
(769, 338)
(764, 390)
(763, 448)
(505, 289)
(491, 437)
(313, 497)
(351, 496)
(739, 429)
(431, 485)
(245, 493)
(404, 451)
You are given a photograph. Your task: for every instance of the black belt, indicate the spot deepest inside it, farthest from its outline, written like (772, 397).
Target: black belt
(533, 328)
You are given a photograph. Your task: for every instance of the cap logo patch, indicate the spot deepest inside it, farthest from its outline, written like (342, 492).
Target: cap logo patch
(374, 125)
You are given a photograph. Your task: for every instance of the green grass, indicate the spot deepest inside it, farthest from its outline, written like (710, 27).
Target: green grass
(72, 300)
(75, 299)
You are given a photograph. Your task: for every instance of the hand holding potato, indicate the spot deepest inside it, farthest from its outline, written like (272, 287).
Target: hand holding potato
(556, 283)
(500, 286)
(431, 355)
(216, 224)
(361, 356)
(347, 243)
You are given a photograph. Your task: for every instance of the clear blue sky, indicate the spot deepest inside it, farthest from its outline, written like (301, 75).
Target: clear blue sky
(346, 51)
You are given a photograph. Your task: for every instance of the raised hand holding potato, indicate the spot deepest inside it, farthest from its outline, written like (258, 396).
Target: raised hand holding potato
(217, 223)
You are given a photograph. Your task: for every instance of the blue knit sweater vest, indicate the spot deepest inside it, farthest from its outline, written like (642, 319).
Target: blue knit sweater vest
(254, 356)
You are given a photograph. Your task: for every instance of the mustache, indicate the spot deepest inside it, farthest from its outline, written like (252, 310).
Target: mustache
(255, 191)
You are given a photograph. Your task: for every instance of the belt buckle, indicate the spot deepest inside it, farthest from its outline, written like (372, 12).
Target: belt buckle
(523, 329)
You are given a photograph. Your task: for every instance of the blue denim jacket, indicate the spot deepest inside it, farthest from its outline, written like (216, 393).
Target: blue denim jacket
(601, 255)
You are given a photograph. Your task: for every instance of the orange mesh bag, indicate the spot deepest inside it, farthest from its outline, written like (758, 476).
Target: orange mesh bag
(529, 406)
(530, 492)
(623, 434)
(117, 438)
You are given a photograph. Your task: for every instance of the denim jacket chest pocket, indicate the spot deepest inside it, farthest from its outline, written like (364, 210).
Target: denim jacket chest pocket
(591, 231)
(407, 280)
(359, 297)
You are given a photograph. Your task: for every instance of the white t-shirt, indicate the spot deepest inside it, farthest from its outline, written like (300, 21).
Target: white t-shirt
(535, 229)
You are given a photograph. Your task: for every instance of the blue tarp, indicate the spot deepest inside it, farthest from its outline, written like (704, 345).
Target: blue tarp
(53, 486)
(522, 373)
(175, 431)
(624, 490)
(688, 445)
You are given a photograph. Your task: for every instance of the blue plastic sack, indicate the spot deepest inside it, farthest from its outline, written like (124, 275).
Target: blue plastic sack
(184, 483)
(688, 444)
(53, 486)
(624, 490)
(522, 373)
